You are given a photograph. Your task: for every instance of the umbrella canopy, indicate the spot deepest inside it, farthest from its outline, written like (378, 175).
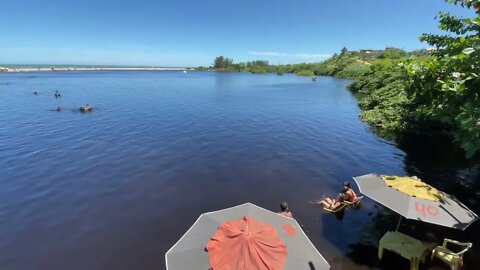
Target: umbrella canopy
(246, 244)
(190, 251)
(413, 199)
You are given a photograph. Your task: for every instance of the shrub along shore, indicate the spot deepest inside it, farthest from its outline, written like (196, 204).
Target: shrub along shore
(421, 92)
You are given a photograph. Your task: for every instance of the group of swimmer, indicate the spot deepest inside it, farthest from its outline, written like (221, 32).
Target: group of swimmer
(57, 94)
(347, 196)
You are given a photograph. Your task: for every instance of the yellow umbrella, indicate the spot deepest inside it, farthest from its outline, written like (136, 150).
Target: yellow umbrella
(414, 187)
(414, 199)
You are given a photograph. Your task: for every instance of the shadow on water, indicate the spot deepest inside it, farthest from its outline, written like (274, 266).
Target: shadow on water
(438, 162)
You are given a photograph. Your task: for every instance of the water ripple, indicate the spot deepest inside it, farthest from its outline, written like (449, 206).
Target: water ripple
(100, 190)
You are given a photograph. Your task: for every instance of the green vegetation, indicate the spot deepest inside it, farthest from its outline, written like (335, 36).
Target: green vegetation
(222, 63)
(429, 94)
(423, 91)
(258, 70)
(383, 99)
(305, 73)
(347, 64)
(446, 87)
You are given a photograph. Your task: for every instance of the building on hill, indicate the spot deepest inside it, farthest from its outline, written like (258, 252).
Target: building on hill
(423, 52)
(371, 52)
(430, 50)
(366, 51)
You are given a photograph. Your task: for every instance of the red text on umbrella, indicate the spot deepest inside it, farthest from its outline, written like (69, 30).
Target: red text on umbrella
(427, 210)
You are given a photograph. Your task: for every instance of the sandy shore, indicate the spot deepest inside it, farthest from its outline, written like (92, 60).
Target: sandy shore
(32, 69)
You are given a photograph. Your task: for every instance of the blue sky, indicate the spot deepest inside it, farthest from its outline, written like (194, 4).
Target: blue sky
(193, 32)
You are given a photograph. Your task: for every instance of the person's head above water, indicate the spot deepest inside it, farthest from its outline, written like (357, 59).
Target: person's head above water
(346, 185)
(284, 206)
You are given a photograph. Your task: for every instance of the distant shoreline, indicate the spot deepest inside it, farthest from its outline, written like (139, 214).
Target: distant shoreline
(52, 69)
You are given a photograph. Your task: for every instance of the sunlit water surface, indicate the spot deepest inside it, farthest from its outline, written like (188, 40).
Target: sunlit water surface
(117, 187)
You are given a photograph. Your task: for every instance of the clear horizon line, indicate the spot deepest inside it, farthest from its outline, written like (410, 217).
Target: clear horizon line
(90, 65)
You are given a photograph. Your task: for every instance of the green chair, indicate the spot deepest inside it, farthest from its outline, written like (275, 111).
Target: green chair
(454, 259)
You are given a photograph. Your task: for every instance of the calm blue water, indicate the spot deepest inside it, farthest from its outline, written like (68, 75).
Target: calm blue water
(117, 187)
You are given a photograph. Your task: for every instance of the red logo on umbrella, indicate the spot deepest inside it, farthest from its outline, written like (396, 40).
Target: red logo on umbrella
(246, 244)
(427, 210)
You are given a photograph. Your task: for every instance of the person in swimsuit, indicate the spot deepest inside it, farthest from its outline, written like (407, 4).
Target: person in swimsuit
(332, 204)
(285, 211)
(350, 195)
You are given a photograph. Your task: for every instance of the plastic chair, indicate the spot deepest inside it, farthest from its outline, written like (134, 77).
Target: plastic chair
(454, 259)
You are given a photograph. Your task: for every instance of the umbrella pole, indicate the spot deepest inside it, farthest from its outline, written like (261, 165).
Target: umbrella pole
(398, 224)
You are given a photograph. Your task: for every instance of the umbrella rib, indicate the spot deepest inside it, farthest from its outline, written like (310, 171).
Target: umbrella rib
(185, 234)
(310, 242)
(425, 192)
(301, 236)
(387, 206)
(450, 214)
(360, 187)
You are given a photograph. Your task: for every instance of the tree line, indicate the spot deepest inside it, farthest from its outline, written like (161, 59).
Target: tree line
(399, 92)
(346, 64)
(439, 93)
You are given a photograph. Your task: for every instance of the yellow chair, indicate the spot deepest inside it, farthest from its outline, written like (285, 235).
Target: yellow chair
(454, 259)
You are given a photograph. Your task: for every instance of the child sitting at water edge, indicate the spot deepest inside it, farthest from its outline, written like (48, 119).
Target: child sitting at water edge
(285, 211)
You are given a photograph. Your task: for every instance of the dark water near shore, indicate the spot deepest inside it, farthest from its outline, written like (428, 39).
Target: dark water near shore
(117, 187)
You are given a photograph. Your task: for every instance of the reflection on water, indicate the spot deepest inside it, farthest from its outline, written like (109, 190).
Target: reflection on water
(117, 187)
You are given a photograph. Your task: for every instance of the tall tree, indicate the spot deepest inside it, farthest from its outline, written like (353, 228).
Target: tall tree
(221, 63)
(447, 87)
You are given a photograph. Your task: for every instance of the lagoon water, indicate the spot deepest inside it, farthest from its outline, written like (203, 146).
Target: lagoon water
(117, 187)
